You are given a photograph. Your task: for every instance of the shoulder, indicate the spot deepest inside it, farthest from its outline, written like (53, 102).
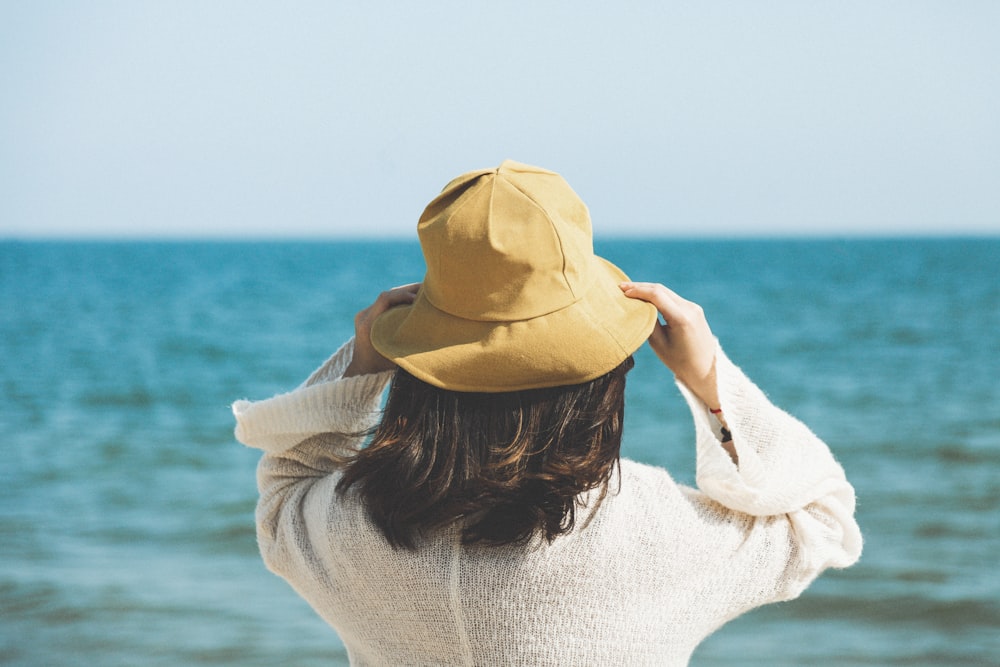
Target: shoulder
(641, 487)
(644, 475)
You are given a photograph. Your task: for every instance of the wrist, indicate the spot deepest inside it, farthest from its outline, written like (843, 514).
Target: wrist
(366, 364)
(721, 418)
(703, 384)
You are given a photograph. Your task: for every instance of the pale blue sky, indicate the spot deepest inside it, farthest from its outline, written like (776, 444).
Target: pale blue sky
(255, 119)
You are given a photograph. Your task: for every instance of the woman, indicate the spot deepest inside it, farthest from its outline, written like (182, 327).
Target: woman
(489, 520)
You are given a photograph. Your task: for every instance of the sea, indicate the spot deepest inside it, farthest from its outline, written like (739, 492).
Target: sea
(126, 505)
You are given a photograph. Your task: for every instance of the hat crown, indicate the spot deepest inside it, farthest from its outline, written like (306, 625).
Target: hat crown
(506, 244)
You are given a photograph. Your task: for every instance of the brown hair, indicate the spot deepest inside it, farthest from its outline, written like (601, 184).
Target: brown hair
(508, 464)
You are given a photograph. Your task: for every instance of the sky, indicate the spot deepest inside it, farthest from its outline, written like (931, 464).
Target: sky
(335, 119)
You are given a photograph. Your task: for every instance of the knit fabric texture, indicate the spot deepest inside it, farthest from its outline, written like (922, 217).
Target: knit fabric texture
(641, 580)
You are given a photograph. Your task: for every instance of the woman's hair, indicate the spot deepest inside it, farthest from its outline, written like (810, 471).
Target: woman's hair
(509, 464)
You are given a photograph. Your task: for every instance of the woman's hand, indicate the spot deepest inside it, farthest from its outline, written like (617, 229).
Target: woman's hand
(366, 358)
(684, 342)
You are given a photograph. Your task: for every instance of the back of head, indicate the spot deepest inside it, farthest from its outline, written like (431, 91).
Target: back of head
(508, 465)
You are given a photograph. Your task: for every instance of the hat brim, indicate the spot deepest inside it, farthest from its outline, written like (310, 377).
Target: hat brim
(572, 345)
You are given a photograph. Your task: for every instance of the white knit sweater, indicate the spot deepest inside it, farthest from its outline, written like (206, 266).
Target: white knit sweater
(640, 581)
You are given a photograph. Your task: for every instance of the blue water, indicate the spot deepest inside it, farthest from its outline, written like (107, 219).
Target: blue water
(126, 530)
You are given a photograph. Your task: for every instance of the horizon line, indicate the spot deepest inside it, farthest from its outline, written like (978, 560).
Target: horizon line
(824, 235)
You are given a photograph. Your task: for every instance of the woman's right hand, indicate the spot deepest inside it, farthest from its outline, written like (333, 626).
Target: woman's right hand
(366, 358)
(684, 342)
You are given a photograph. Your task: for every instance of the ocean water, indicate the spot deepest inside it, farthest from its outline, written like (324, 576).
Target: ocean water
(126, 527)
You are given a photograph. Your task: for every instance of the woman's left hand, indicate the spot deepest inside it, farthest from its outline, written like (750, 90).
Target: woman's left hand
(366, 358)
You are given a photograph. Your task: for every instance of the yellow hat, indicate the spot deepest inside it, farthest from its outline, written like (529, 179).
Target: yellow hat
(514, 296)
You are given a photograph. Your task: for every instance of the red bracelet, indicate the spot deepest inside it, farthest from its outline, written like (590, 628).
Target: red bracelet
(715, 411)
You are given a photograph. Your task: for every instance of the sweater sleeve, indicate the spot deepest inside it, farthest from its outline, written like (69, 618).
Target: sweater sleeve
(783, 470)
(302, 432)
(325, 403)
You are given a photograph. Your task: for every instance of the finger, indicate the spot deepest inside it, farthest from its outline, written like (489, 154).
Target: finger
(670, 304)
(659, 335)
(397, 296)
(400, 294)
(410, 288)
(659, 339)
(651, 292)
